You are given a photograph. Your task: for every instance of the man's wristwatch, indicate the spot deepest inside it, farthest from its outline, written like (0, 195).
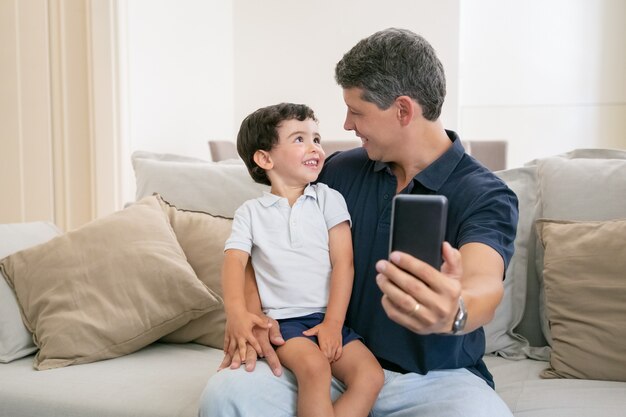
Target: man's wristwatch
(461, 318)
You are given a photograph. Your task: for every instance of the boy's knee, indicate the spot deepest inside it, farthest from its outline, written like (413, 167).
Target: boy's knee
(370, 378)
(313, 366)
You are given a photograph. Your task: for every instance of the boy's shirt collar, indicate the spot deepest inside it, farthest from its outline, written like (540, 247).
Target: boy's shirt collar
(268, 199)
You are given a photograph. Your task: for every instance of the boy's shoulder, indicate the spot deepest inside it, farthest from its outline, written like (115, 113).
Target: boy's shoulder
(322, 190)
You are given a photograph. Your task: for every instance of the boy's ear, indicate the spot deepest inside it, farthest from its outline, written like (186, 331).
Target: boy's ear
(263, 159)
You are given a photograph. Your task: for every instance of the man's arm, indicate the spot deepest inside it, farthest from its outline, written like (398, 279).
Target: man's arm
(474, 272)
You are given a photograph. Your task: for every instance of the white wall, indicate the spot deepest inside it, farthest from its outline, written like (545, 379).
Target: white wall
(193, 69)
(547, 75)
(177, 79)
(287, 51)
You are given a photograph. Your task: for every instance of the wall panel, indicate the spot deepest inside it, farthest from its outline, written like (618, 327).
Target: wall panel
(25, 124)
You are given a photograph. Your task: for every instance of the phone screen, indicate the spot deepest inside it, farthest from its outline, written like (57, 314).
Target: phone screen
(418, 226)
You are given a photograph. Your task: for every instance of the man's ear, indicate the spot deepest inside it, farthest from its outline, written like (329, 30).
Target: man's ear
(406, 109)
(263, 159)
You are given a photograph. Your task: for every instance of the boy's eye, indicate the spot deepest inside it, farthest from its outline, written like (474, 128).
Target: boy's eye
(299, 139)
(317, 140)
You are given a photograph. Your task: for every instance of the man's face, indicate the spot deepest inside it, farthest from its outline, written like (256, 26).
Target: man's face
(375, 127)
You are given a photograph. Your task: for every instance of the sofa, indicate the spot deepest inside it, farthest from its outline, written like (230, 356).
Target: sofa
(124, 316)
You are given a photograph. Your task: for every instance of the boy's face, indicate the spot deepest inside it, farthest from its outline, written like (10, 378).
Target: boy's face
(298, 157)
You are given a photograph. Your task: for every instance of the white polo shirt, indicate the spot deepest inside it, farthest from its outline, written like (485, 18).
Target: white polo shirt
(289, 248)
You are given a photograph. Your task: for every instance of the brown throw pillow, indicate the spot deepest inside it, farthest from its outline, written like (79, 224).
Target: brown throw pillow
(202, 237)
(585, 286)
(106, 289)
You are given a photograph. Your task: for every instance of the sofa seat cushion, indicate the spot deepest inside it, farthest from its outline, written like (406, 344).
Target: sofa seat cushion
(161, 380)
(528, 395)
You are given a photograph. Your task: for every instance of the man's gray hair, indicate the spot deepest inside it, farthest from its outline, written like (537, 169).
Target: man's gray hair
(393, 63)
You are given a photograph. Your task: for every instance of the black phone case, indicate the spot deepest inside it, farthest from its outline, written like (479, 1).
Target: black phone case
(418, 226)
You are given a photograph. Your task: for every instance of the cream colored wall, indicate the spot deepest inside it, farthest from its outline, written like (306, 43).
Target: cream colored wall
(56, 153)
(548, 76)
(25, 119)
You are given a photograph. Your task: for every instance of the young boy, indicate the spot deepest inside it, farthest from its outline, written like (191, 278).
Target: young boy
(298, 237)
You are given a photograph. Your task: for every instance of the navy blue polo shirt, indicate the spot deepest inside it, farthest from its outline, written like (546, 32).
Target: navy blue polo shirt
(481, 208)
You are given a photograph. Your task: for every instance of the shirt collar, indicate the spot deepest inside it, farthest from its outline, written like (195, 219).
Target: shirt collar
(268, 199)
(436, 174)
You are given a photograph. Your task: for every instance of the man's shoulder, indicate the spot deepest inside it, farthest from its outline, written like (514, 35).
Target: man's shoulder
(325, 194)
(345, 166)
(472, 175)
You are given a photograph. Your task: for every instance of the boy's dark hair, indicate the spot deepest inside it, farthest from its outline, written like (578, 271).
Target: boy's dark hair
(259, 131)
(392, 63)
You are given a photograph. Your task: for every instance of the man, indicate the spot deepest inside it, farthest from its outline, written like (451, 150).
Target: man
(424, 326)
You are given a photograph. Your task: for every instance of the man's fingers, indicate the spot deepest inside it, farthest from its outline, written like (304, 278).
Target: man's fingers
(242, 349)
(274, 362)
(236, 362)
(275, 336)
(225, 362)
(254, 343)
(250, 360)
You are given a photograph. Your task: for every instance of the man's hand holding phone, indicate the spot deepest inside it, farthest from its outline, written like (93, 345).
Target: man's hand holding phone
(421, 280)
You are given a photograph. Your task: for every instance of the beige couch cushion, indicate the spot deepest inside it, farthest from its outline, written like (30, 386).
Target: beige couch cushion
(581, 185)
(107, 289)
(585, 292)
(202, 237)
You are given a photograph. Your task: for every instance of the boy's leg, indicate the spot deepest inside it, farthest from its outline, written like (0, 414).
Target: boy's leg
(446, 393)
(359, 370)
(305, 359)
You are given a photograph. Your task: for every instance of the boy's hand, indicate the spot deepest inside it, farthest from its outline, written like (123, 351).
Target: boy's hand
(238, 334)
(329, 339)
(266, 337)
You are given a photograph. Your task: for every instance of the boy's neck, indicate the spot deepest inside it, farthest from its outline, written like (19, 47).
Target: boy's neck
(290, 193)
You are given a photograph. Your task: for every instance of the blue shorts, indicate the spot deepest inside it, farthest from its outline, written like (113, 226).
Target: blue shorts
(294, 326)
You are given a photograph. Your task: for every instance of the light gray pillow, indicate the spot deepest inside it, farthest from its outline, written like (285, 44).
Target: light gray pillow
(501, 337)
(218, 189)
(15, 339)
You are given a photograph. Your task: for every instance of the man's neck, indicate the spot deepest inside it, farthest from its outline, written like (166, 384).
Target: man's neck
(421, 149)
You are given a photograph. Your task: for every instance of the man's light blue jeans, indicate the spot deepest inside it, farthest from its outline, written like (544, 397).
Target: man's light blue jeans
(458, 393)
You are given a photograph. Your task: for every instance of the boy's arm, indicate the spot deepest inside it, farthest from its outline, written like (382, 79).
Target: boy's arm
(342, 277)
(253, 300)
(267, 337)
(239, 322)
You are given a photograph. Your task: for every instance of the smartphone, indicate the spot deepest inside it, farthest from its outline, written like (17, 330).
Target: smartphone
(418, 226)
